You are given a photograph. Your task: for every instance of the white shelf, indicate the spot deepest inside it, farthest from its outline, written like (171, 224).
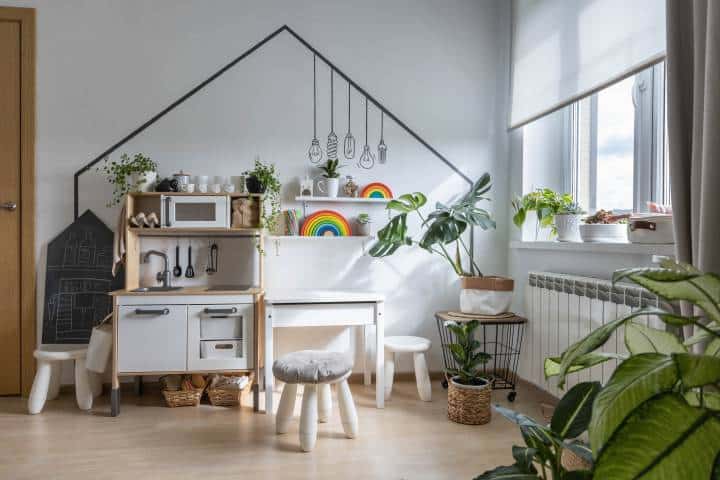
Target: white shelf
(328, 238)
(342, 200)
(617, 248)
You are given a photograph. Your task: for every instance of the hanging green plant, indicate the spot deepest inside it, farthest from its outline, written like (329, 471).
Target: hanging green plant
(128, 175)
(264, 179)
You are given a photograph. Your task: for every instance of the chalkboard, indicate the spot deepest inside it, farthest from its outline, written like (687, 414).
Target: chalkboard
(77, 281)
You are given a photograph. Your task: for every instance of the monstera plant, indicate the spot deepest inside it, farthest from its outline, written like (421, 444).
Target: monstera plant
(658, 416)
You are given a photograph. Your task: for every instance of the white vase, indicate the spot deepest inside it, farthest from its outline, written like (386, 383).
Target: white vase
(143, 182)
(329, 186)
(567, 227)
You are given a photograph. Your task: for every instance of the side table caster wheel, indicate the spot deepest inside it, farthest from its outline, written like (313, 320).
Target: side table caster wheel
(511, 396)
(444, 384)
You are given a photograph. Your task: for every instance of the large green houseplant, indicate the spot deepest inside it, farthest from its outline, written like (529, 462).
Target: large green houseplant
(443, 232)
(658, 416)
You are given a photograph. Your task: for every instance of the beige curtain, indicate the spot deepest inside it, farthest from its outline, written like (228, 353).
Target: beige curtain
(693, 117)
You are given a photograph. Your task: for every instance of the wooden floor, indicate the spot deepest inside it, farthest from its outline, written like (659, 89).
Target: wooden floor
(409, 439)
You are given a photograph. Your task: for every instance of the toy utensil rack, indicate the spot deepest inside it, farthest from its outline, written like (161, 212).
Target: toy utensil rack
(501, 337)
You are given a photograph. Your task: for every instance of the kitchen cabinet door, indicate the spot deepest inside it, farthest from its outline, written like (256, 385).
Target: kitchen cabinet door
(152, 338)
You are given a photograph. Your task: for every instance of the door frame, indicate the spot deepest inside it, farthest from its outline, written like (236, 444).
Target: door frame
(28, 332)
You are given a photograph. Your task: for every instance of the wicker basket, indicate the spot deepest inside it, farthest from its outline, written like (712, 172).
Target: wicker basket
(469, 404)
(572, 461)
(183, 398)
(221, 397)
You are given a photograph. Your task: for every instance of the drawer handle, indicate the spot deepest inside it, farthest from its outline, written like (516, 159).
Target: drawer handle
(220, 311)
(224, 346)
(161, 311)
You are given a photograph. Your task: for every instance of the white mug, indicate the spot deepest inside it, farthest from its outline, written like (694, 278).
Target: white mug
(216, 188)
(329, 186)
(202, 187)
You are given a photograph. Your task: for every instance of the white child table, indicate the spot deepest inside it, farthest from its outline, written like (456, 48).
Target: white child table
(325, 308)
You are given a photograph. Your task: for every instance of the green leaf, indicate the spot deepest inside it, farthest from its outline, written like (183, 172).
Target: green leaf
(665, 438)
(511, 472)
(702, 335)
(572, 414)
(642, 339)
(652, 273)
(524, 458)
(595, 340)
(713, 348)
(702, 290)
(697, 370)
(391, 237)
(632, 383)
(709, 400)
(552, 364)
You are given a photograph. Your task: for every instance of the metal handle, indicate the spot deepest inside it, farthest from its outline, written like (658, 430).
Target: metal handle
(161, 311)
(168, 206)
(220, 311)
(643, 225)
(9, 206)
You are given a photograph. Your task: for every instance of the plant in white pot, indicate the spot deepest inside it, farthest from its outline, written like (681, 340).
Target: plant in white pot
(364, 223)
(442, 235)
(129, 175)
(554, 210)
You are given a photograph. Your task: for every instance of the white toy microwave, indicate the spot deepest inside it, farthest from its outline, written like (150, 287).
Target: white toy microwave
(195, 211)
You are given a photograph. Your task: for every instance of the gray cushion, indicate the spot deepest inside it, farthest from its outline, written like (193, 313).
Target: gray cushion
(312, 366)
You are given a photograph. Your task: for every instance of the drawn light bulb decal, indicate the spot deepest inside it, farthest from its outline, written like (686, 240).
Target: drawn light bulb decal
(315, 152)
(332, 140)
(367, 159)
(382, 148)
(349, 143)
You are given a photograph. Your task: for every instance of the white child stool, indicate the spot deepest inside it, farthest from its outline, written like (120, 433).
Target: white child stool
(394, 346)
(315, 370)
(47, 379)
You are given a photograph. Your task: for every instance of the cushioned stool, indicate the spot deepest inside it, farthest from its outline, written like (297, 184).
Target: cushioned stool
(394, 346)
(315, 370)
(47, 379)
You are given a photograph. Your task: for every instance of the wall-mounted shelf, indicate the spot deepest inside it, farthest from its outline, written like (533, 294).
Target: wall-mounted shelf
(327, 238)
(196, 194)
(342, 200)
(197, 232)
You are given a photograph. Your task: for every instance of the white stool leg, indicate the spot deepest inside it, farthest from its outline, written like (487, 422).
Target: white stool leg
(324, 402)
(347, 410)
(83, 394)
(95, 383)
(55, 379)
(422, 377)
(286, 408)
(308, 418)
(389, 373)
(40, 386)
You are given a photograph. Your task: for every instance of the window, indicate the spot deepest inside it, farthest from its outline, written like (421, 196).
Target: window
(613, 146)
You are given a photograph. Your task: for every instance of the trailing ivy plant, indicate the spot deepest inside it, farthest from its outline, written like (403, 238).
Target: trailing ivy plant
(546, 203)
(269, 181)
(118, 174)
(658, 416)
(467, 354)
(442, 228)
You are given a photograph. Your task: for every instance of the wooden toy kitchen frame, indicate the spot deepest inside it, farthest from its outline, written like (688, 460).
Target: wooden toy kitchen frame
(159, 331)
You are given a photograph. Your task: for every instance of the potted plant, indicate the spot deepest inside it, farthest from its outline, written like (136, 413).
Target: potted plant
(363, 224)
(469, 392)
(264, 180)
(330, 183)
(603, 226)
(554, 210)
(443, 230)
(129, 175)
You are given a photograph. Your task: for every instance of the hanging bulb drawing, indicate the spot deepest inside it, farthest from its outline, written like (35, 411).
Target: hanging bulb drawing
(367, 159)
(349, 143)
(315, 152)
(382, 148)
(332, 140)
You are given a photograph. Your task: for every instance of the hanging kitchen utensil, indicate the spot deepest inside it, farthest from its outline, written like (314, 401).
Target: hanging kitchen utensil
(189, 271)
(332, 141)
(367, 159)
(315, 152)
(349, 143)
(177, 271)
(382, 148)
(212, 266)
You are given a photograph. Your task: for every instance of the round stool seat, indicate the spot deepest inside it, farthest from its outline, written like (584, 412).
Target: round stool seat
(312, 366)
(60, 355)
(407, 344)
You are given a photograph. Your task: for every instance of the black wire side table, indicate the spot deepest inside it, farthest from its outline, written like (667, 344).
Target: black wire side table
(501, 337)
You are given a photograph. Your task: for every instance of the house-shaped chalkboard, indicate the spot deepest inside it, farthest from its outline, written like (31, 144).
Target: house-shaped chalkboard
(77, 281)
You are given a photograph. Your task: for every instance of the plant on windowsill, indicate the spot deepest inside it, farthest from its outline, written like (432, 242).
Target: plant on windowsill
(442, 232)
(469, 392)
(129, 175)
(554, 210)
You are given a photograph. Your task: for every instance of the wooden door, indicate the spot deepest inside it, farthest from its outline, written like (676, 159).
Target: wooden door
(16, 242)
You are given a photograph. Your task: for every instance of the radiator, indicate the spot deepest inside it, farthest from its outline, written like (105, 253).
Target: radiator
(562, 309)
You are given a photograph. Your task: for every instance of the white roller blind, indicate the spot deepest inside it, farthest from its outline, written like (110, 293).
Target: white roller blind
(565, 49)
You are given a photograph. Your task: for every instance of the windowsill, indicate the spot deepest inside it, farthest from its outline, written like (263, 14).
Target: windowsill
(617, 248)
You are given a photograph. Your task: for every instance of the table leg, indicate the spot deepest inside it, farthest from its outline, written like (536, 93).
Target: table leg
(380, 355)
(366, 357)
(268, 361)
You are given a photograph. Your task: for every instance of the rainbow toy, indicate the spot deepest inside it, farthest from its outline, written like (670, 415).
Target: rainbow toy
(376, 190)
(325, 223)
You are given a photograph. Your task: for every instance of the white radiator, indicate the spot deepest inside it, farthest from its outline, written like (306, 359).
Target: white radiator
(562, 309)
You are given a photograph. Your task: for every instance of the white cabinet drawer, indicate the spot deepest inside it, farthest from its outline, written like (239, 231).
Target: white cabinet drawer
(227, 324)
(320, 315)
(152, 338)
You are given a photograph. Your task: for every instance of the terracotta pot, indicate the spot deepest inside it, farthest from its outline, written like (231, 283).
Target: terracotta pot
(489, 295)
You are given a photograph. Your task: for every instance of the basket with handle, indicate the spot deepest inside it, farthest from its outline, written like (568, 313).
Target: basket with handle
(224, 397)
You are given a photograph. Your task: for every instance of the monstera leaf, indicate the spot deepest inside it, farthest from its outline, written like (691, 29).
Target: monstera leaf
(391, 237)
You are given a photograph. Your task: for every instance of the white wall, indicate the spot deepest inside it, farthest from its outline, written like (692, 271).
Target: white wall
(104, 67)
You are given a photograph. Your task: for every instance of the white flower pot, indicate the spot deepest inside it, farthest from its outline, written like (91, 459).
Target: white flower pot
(486, 295)
(567, 228)
(142, 182)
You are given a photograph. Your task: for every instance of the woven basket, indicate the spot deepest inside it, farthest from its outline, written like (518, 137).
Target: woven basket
(469, 405)
(572, 461)
(221, 397)
(183, 398)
